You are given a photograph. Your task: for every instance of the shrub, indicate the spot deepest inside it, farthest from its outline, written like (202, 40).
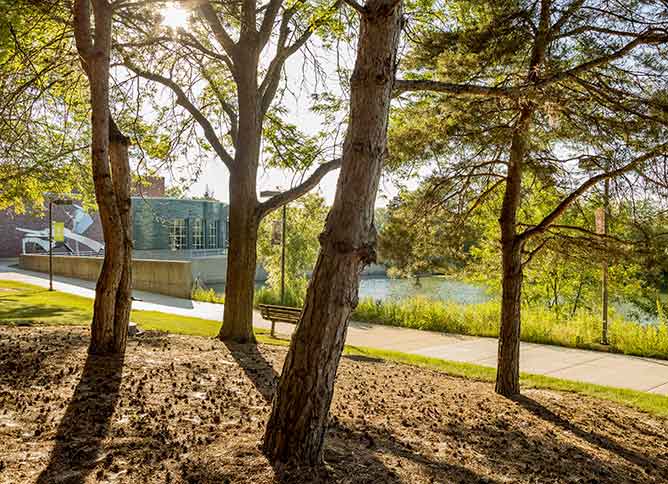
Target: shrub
(207, 295)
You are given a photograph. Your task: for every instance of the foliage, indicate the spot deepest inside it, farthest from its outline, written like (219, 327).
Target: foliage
(207, 295)
(305, 220)
(295, 294)
(44, 132)
(411, 242)
(563, 272)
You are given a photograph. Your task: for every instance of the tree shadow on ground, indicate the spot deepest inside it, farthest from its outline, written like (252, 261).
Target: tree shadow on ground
(23, 357)
(32, 313)
(256, 367)
(363, 359)
(593, 438)
(365, 444)
(86, 422)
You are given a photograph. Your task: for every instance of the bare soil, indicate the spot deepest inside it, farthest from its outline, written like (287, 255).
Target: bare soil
(187, 409)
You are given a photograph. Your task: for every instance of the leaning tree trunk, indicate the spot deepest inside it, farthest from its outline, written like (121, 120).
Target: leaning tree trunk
(296, 428)
(243, 217)
(111, 178)
(508, 365)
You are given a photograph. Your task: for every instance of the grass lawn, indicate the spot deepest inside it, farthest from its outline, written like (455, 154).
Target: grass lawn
(27, 304)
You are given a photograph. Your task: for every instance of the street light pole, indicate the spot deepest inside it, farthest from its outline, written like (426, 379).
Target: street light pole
(272, 193)
(52, 202)
(283, 255)
(50, 245)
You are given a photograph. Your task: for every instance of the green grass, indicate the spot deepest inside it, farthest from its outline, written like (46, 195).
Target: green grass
(648, 402)
(539, 325)
(27, 304)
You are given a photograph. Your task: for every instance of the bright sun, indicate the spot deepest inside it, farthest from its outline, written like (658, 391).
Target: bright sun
(174, 16)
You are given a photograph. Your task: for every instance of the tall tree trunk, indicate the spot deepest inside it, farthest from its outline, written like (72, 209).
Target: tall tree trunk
(241, 261)
(508, 366)
(244, 220)
(297, 425)
(111, 177)
(120, 168)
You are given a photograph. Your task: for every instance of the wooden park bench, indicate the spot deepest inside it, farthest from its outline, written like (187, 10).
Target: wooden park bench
(281, 314)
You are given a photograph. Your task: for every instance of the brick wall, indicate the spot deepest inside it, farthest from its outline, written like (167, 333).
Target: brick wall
(149, 186)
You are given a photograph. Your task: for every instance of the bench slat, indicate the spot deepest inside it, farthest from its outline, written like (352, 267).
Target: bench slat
(283, 314)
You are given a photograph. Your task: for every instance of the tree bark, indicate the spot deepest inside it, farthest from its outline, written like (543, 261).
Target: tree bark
(244, 220)
(508, 366)
(241, 261)
(296, 428)
(111, 178)
(120, 168)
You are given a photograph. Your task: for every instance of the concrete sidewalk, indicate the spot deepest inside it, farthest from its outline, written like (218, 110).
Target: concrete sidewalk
(620, 371)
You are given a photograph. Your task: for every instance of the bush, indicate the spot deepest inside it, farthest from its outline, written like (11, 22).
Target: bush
(207, 295)
(295, 293)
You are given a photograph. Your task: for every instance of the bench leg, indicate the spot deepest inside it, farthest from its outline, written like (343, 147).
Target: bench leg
(273, 327)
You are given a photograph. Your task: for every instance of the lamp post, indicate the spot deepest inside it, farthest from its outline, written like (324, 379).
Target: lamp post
(271, 193)
(52, 202)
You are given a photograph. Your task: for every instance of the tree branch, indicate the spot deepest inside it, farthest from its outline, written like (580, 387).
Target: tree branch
(224, 39)
(295, 192)
(268, 20)
(82, 33)
(566, 16)
(566, 202)
(474, 90)
(353, 3)
(183, 101)
(272, 78)
(644, 39)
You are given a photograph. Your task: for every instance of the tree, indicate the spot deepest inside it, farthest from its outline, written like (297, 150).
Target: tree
(413, 241)
(44, 135)
(296, 428)
(111, 177)
(529, 76)
(215, 74)
(305, 221)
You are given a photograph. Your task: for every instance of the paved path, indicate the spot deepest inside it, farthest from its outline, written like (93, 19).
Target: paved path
(621, 371)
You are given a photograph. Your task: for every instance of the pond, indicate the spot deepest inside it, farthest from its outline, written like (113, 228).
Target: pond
(432, 287)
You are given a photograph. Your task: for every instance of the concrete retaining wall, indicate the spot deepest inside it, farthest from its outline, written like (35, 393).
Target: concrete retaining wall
(173, 278)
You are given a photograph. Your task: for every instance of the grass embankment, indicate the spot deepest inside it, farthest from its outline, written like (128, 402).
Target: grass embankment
(25, 304)
(539, 325)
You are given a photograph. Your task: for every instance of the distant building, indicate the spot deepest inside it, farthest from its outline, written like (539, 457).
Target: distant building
(164, 228)
(178, 228)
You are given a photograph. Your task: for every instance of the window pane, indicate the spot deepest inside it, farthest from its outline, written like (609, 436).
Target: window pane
(212, 241)
(198, 234)
(177, 234)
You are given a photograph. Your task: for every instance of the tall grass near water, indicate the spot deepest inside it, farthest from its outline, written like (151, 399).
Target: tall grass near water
(539, 325)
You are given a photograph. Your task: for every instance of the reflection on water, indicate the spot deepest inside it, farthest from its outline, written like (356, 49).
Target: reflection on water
(434, 287)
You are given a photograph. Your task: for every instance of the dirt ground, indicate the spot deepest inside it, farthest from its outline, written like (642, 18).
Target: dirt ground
(188, 409)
